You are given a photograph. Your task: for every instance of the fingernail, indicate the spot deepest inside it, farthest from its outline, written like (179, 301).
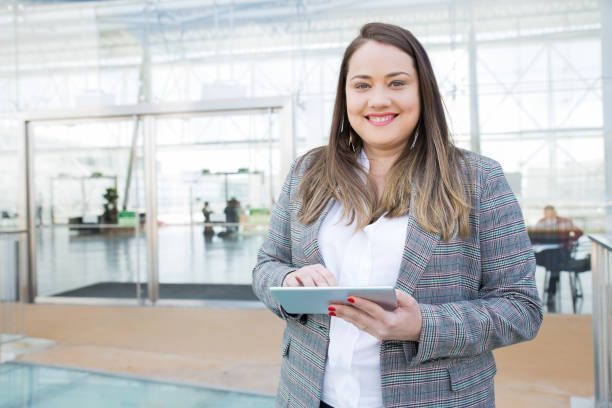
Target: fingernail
(331, 309)
(332, 314)
(351, 300)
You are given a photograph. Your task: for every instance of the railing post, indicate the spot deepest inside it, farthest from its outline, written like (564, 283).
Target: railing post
(601, 263)
(11, 307)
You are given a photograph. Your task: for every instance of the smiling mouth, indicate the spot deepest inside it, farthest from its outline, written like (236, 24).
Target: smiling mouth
(381, 120)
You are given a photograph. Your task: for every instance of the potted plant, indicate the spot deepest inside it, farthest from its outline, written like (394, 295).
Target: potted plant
(110, 206)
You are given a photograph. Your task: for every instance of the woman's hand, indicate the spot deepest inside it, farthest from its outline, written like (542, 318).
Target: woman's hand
(403, 323)
(310, 275)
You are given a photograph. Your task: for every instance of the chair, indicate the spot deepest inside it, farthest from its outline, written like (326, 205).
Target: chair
(562, 259)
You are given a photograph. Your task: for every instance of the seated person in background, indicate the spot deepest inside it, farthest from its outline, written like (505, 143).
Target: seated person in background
(558, 230)
(564, 229)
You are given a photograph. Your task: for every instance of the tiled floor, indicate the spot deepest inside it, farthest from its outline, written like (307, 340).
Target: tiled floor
(206, 346)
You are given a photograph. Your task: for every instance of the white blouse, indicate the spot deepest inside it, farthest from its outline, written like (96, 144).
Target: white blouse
(368, 257)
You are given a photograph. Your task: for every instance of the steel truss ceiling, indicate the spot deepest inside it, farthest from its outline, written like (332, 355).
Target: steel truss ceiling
(69, 31)
(124, 40)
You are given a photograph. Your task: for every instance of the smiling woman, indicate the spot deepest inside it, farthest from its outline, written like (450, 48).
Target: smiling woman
(391, 201)
(383, 107)
(387, 96)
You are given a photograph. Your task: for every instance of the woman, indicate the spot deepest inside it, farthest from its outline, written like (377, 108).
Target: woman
(391, 201)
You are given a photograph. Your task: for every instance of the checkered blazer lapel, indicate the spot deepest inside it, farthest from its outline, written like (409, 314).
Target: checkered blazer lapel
(418, 249)
(311, 235)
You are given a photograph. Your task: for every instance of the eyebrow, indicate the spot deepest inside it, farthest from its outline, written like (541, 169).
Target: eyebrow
(392, 74)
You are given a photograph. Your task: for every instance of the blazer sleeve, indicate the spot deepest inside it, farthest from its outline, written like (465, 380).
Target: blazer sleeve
(508, 309)
(274, 256)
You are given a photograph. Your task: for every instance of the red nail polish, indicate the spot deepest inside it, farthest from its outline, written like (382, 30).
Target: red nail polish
(331, 309)
(332, 314)
(351, 300)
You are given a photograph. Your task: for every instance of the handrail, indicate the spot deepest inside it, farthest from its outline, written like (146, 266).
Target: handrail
(601, 266)
(603, 240)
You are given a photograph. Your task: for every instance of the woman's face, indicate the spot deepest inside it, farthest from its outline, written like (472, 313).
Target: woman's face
(382, 96)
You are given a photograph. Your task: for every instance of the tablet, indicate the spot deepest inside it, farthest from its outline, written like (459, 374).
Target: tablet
(316, 300)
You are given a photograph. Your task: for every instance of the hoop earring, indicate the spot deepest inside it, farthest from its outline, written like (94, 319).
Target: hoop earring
(416, 136)
(350, 143)
(342, 126)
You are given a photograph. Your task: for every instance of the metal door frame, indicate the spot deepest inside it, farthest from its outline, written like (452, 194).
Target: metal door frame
(146, 112)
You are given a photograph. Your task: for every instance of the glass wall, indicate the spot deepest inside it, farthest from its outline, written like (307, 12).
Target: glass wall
(521, 80)
(11, 310)
(13, 238)
(9, 175)
(215, 175)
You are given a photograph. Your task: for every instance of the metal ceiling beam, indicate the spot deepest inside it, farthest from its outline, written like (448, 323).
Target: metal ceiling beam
(31, 61)
(185, 15)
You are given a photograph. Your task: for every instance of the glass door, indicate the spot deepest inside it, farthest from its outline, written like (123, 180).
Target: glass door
(89, 205)
(217, 177)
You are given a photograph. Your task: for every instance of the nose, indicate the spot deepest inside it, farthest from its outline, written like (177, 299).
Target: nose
(378, 99)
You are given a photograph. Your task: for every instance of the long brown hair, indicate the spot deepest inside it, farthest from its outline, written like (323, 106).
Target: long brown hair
(431, 169)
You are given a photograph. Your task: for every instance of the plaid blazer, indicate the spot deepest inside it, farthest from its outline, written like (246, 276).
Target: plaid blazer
(475, 295)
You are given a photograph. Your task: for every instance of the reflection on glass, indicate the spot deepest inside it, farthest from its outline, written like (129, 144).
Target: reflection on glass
(9, 192)
(89, 189)
(217, 176)
(21, 384)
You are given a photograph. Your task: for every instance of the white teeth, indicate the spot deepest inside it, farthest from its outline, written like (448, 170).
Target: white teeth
(379, 119)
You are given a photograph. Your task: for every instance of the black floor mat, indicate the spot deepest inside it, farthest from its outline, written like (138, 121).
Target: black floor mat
(127, 290)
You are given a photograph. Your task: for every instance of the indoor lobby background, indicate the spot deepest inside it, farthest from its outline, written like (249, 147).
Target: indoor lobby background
(144, 143)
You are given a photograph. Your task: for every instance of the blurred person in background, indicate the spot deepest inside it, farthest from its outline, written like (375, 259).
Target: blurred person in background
(206, 211)
(562, 234)
(390, 201)
(232, 218)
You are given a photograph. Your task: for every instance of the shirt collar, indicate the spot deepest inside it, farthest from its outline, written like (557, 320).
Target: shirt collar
(362, 159)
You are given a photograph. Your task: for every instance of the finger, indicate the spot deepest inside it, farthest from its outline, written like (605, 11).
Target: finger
(404, 299)
(319, 279)
(291, 281)
(305, 280)
(354, 316)
(318, 274)
(369, 307)
(329, 277)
